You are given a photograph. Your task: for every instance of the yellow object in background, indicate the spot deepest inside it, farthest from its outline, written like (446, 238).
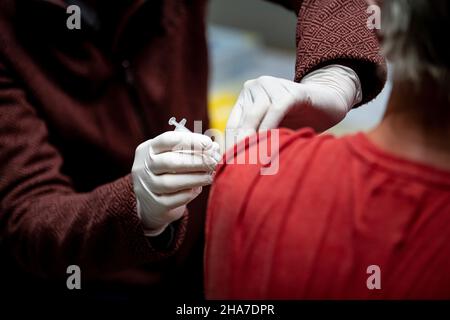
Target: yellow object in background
(219, 108)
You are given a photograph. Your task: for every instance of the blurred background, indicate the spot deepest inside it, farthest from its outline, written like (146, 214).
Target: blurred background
(251, 38)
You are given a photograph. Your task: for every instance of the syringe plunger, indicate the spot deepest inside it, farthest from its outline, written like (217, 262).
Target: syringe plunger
(179, 126)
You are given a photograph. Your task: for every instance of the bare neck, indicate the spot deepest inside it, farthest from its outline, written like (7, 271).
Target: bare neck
(416, 126)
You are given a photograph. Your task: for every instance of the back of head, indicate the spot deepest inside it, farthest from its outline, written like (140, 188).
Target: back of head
(415, 39)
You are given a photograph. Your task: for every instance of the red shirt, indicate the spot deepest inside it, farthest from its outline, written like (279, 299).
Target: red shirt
(335, 207)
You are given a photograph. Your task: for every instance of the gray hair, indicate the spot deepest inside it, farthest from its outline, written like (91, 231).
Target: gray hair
(415, 39)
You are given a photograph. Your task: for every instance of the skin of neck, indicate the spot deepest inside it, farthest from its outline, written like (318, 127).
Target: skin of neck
(416, 125)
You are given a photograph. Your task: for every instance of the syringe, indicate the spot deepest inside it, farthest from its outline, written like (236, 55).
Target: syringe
(179, 126)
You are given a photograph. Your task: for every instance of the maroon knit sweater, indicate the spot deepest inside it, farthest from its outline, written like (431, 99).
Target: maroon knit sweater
(74, 104)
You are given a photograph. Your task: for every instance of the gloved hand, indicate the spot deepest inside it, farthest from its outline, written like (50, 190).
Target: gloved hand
(168, 172)
(320, 100)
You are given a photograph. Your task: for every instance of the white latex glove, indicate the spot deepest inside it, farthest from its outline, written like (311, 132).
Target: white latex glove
(320, 100)
(168, 172)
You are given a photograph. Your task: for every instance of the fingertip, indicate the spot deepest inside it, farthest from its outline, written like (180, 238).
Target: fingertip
(216, 146)
(197, 190)
(205, 141)
(217, 156)
(207, 145)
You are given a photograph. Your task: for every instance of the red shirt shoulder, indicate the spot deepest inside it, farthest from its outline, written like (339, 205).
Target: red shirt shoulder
(333, 208)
